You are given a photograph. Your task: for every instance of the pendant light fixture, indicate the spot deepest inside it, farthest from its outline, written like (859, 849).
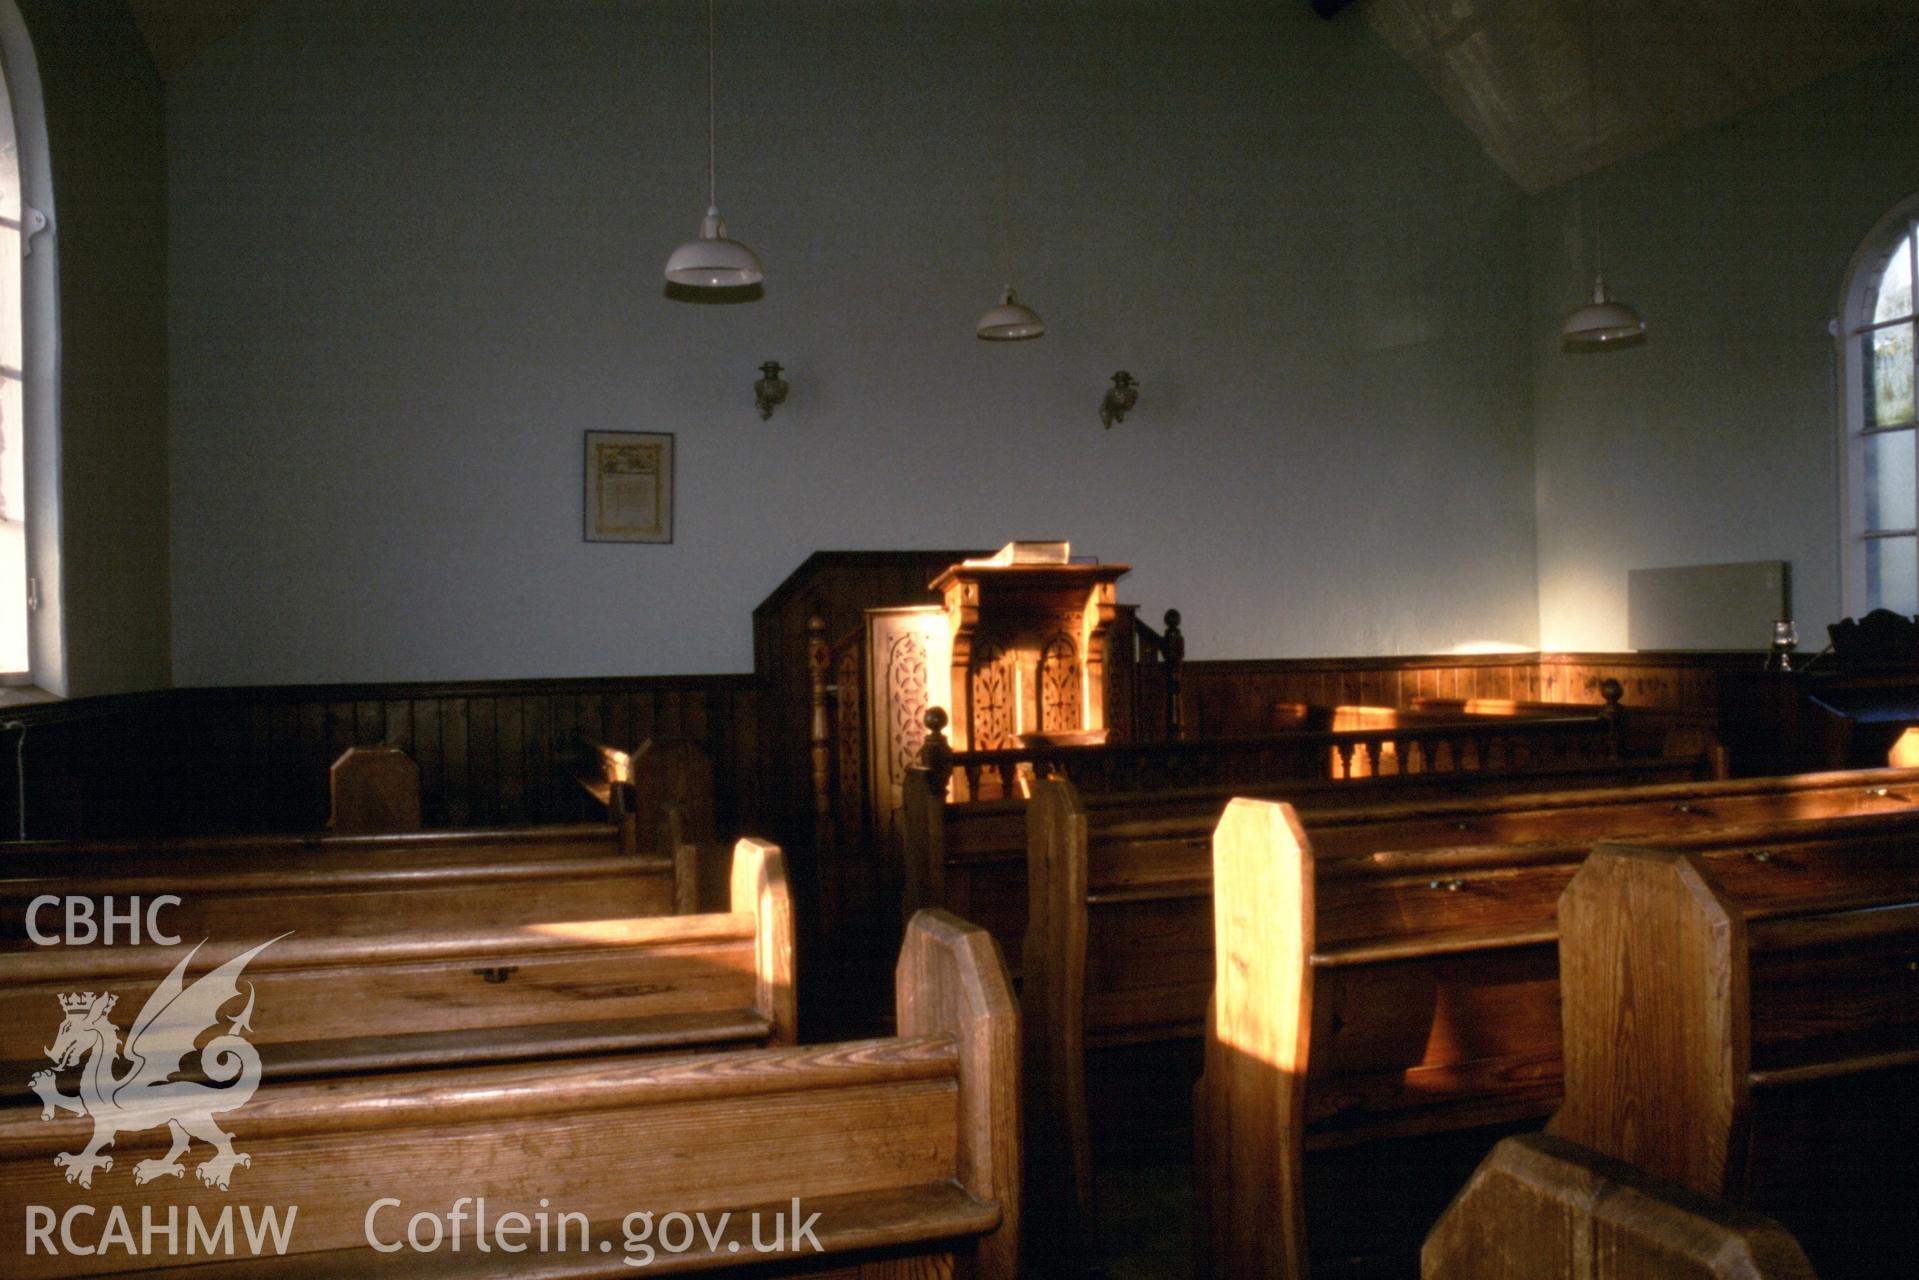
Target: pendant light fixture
(1602, 323)
(1010, 320)
(712, 261)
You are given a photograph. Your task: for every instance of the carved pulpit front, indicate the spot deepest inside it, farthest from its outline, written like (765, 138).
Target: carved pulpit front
(1015, 653)
(1026, 642)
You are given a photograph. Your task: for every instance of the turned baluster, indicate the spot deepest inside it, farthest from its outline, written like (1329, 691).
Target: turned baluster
(1612, 691)
(936, 754)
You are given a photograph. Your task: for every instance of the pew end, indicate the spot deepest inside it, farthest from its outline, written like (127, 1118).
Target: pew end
(1053, 1024)
(1542, 1206)
(374, 789)
(1652, 1041)
(923, 842)
(760, 890)
(951, 980)
(1259, 1028)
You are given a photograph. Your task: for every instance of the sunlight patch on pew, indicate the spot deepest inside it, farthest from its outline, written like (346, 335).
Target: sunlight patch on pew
(1905, 752)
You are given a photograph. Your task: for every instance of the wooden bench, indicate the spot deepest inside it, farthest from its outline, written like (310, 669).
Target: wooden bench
(339, 883)
(1359, 996)
(906, 1148)
(434, 962)
(970, 858)
(1746, 1023)
(1120, 948)
(1540, 1206)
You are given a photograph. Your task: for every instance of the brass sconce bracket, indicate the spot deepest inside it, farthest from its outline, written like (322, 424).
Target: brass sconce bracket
(770, 391)
(1120, 397)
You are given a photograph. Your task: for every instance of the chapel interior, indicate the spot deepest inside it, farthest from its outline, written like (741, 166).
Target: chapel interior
(1128, 638)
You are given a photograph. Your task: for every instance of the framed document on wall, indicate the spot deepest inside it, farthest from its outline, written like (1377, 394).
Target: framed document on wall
(629, 486)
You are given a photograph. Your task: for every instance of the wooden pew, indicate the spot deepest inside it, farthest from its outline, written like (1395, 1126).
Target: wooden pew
(339, 883)
(906, 1149)
(1119, 949)
(1361, 997)
(970, 858)
(1541, 1206)
(1746, 1022)
(435, 962)
(644, 860)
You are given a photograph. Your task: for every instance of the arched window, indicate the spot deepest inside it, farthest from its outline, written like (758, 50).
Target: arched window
(1878, 364)
(31, 641)
(13, 418)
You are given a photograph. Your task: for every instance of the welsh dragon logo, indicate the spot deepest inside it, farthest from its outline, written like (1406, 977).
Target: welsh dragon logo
(145, 1096)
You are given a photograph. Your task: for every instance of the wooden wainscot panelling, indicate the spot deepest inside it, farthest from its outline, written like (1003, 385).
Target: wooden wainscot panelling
(206, 761)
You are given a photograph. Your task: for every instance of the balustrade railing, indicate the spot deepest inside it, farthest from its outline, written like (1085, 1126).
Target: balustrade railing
(1501, 744)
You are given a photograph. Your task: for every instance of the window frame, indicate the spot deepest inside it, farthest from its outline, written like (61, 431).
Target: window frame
(1897, 231)
(40, 361)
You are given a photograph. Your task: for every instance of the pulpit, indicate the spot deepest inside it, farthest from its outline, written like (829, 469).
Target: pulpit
(1025, 647)
(1015, 653)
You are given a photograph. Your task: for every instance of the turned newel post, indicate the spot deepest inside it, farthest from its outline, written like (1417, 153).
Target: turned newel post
(819, 660)
(1612, 691)
(936, 754)
(1173, 650)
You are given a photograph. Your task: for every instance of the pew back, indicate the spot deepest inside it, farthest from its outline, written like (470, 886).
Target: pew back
(971, 858)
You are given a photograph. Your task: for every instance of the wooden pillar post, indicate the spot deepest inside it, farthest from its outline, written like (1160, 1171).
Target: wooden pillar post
(819, 660)
(1173, 650)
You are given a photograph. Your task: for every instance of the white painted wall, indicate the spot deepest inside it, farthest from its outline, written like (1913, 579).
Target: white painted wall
(1717, 441)
(415, 255)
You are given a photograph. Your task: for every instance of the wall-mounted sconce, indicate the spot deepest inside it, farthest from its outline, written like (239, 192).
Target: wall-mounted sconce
(770, 391)
(1122, 396)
